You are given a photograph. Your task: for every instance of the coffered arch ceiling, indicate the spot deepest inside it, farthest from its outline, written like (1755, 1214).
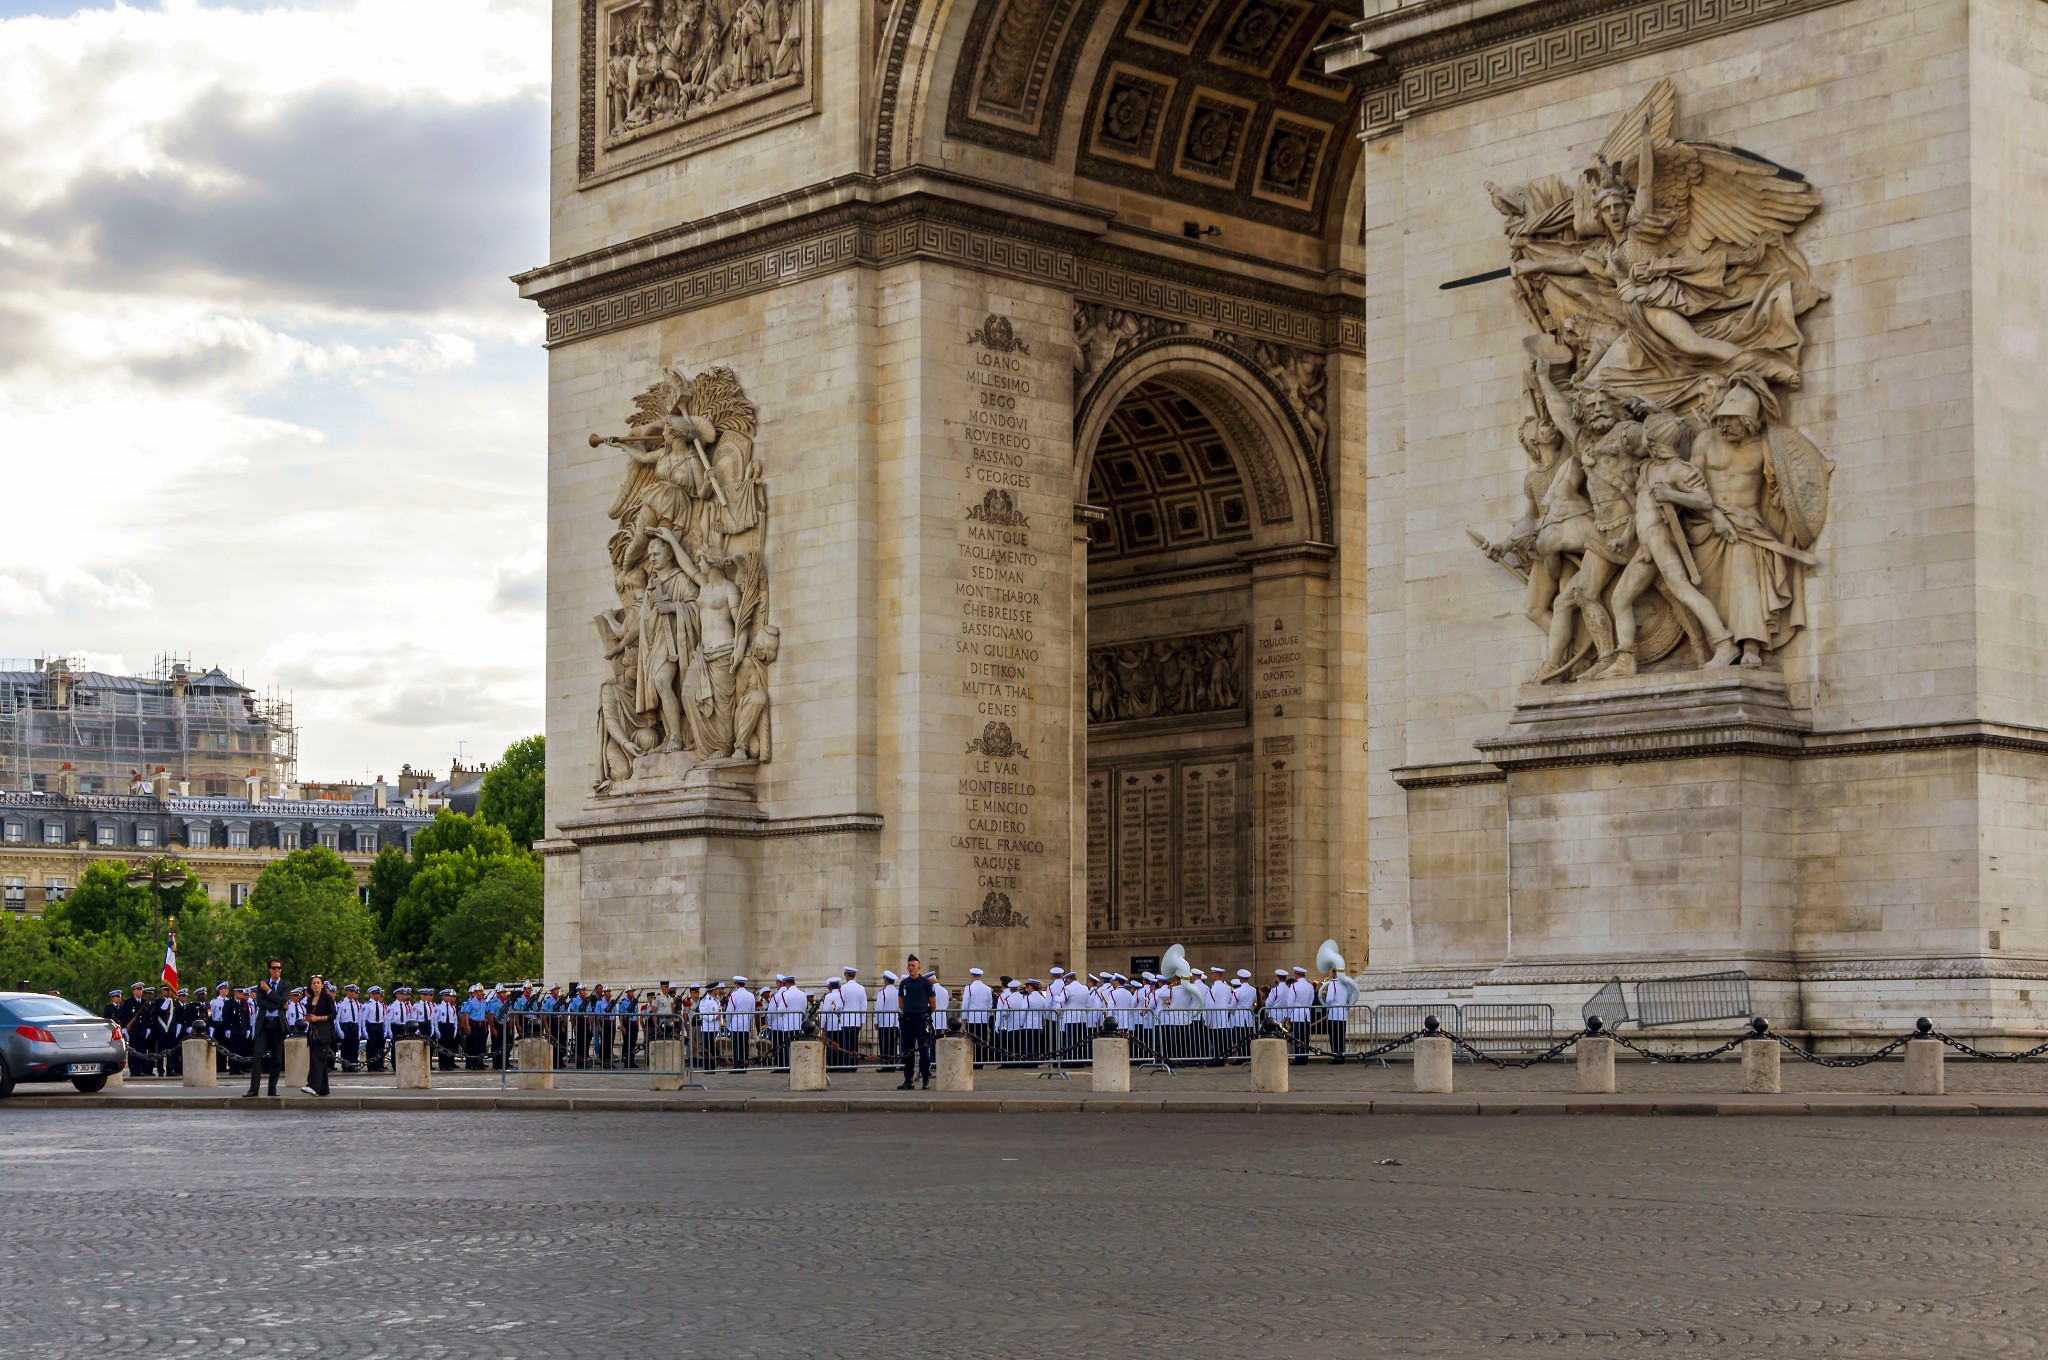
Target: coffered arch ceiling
(1165, 475)
(1215, 105)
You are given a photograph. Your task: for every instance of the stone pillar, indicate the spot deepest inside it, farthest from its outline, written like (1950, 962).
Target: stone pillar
(1760, 1067)
(1596, 1066)
(1287, 677)
(298, 1062)
(665, 1065)
(1923, 1068)
(1433, 1067)
(536, 1062)
(198, 1056)
(807, 1065)
(119, 1078)
(409, 1061)
(1112, 1065)
(956, 1063)
(1269, 1066)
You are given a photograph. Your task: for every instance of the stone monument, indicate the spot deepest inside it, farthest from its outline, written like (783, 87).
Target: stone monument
(1535, 493)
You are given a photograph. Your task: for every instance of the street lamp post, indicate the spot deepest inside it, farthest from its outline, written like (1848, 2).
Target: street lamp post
(158, 874)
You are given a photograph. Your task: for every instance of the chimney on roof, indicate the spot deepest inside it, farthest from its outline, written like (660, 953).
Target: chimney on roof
(181, 680)
(136, 783)
(67, 781)
(184, 787)
(380, 793)
(255, 783)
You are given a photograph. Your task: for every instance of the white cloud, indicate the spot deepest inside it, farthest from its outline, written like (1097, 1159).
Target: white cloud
(266, 397)
(34, 592)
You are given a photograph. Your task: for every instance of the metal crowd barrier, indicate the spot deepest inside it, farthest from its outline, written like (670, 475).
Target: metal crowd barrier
(1693, 1000)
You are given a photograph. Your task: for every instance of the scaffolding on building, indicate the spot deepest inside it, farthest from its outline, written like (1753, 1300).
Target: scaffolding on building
(67, 729)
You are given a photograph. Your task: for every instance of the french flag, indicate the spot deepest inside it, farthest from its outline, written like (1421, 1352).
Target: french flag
(171, 959)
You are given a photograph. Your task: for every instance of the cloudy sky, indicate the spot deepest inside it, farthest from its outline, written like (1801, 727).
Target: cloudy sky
(266, 398)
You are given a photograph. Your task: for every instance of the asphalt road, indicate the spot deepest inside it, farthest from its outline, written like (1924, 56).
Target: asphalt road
(571, 1235)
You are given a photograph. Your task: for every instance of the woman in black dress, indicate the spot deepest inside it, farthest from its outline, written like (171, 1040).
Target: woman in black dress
(320, 1036)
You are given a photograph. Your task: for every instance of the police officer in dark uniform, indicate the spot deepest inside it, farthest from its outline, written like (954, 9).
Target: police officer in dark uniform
(917, 997)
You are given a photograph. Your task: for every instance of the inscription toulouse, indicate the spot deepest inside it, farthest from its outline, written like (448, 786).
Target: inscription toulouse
(996, 631)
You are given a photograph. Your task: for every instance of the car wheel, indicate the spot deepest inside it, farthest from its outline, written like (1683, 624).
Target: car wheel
(90, 1084)
(6, 1079)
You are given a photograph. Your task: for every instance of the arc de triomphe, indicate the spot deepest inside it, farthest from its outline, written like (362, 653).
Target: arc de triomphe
(1538, 491)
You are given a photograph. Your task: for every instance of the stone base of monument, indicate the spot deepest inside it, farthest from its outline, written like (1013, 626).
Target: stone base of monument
(536, 1062)
(665, 1065)
(956, 1063)
(198, 1063)
(409, 1061)
(1433, 1066)
(1596, 1067)
(1112, 1069)
(1269, 1066)
(807, 1065)
(1760, 1075)
(298, 1062)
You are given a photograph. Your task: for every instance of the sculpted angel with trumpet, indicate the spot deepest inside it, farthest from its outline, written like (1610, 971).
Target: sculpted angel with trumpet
(1669, 507)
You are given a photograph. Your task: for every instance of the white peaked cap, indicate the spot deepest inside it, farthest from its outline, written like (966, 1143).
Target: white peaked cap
(1013, 985)
(1058, 971)
(1279, 972)
(1244, 972)
(851, 972)
(974, 972)
(888, 976)
(739, 978)
(1301, 971)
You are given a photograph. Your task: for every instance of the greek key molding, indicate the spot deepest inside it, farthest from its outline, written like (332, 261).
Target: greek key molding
(1536, 43)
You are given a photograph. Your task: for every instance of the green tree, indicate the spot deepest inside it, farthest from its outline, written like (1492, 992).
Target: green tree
(451, 830)
(304, 911)
(433, 895)
(103, 904)
(494, 932)
(389, 876)
(514, 792)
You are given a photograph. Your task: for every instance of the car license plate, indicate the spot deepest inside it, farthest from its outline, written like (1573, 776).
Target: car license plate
(84, 1069)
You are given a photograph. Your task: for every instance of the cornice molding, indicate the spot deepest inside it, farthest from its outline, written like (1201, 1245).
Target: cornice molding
(712, 825)
(1419, 59)
(1676, 741)
(863, 222)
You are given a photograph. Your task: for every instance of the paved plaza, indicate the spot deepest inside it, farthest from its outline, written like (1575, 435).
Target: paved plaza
(569, 1235)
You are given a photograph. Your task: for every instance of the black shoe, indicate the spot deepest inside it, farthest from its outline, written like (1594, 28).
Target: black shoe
(248, 1095)
(927, 1083)
(906, 1086)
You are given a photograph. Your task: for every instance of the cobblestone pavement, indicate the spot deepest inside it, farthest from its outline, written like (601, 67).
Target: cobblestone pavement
(573, 1235)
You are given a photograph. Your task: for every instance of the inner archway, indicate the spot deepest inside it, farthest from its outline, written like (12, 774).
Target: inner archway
(1170, 799)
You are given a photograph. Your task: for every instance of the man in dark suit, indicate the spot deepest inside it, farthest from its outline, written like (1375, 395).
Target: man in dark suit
(266, 1048)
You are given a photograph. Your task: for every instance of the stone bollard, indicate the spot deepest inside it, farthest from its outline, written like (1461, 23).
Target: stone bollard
(409, 1062)
(1112, 1065)
(298, 1062)
(1596, 1066)
(1269, 1066)
(956, 1063)
(117, 1078)
(536, 1060)
(807, 1065)
(1760, 1067)
(1433, 1067)
(665, 1065)
(198, 1060)
(1923, 1068)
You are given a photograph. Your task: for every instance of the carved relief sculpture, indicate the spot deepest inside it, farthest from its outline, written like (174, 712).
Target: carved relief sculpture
(668, 62)
(1173, 677)
(689, 643)
(1668, 502)
(1103, 333)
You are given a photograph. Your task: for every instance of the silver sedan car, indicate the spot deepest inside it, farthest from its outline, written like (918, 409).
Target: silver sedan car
(46, 1038)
